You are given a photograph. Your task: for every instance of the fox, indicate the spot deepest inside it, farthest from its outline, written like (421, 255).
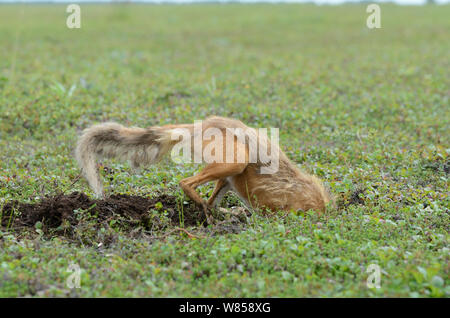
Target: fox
(286, 188)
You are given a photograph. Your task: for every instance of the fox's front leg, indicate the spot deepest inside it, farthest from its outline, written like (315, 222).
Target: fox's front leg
(213, 171)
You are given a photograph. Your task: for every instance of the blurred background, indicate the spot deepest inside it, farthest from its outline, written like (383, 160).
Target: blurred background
(409, 2)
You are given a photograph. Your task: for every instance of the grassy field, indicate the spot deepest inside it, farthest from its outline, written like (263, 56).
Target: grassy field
(366, 110)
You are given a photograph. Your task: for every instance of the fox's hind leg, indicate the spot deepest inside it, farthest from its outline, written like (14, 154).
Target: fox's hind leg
(222, 186)
(213, 171)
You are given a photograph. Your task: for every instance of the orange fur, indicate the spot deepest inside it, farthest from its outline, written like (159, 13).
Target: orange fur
(286, 189)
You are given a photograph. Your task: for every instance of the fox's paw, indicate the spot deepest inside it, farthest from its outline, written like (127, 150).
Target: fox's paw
(207, 211)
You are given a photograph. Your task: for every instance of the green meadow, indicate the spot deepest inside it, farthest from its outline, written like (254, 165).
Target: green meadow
(366, 110)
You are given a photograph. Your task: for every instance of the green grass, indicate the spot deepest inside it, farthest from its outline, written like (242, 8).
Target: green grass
(362, 109)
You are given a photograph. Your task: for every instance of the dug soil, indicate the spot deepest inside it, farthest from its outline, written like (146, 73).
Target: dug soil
(60, 214)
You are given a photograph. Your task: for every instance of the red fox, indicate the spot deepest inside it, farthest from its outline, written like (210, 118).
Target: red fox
(286, 188)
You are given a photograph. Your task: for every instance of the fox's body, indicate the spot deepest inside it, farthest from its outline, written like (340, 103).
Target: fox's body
(287, 188)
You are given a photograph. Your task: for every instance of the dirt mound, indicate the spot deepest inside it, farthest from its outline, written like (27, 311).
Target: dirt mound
(77, 217)
(67, 215)
(53, 211)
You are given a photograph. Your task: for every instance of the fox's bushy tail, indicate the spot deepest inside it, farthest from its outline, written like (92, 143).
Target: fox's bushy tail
(142, 146)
